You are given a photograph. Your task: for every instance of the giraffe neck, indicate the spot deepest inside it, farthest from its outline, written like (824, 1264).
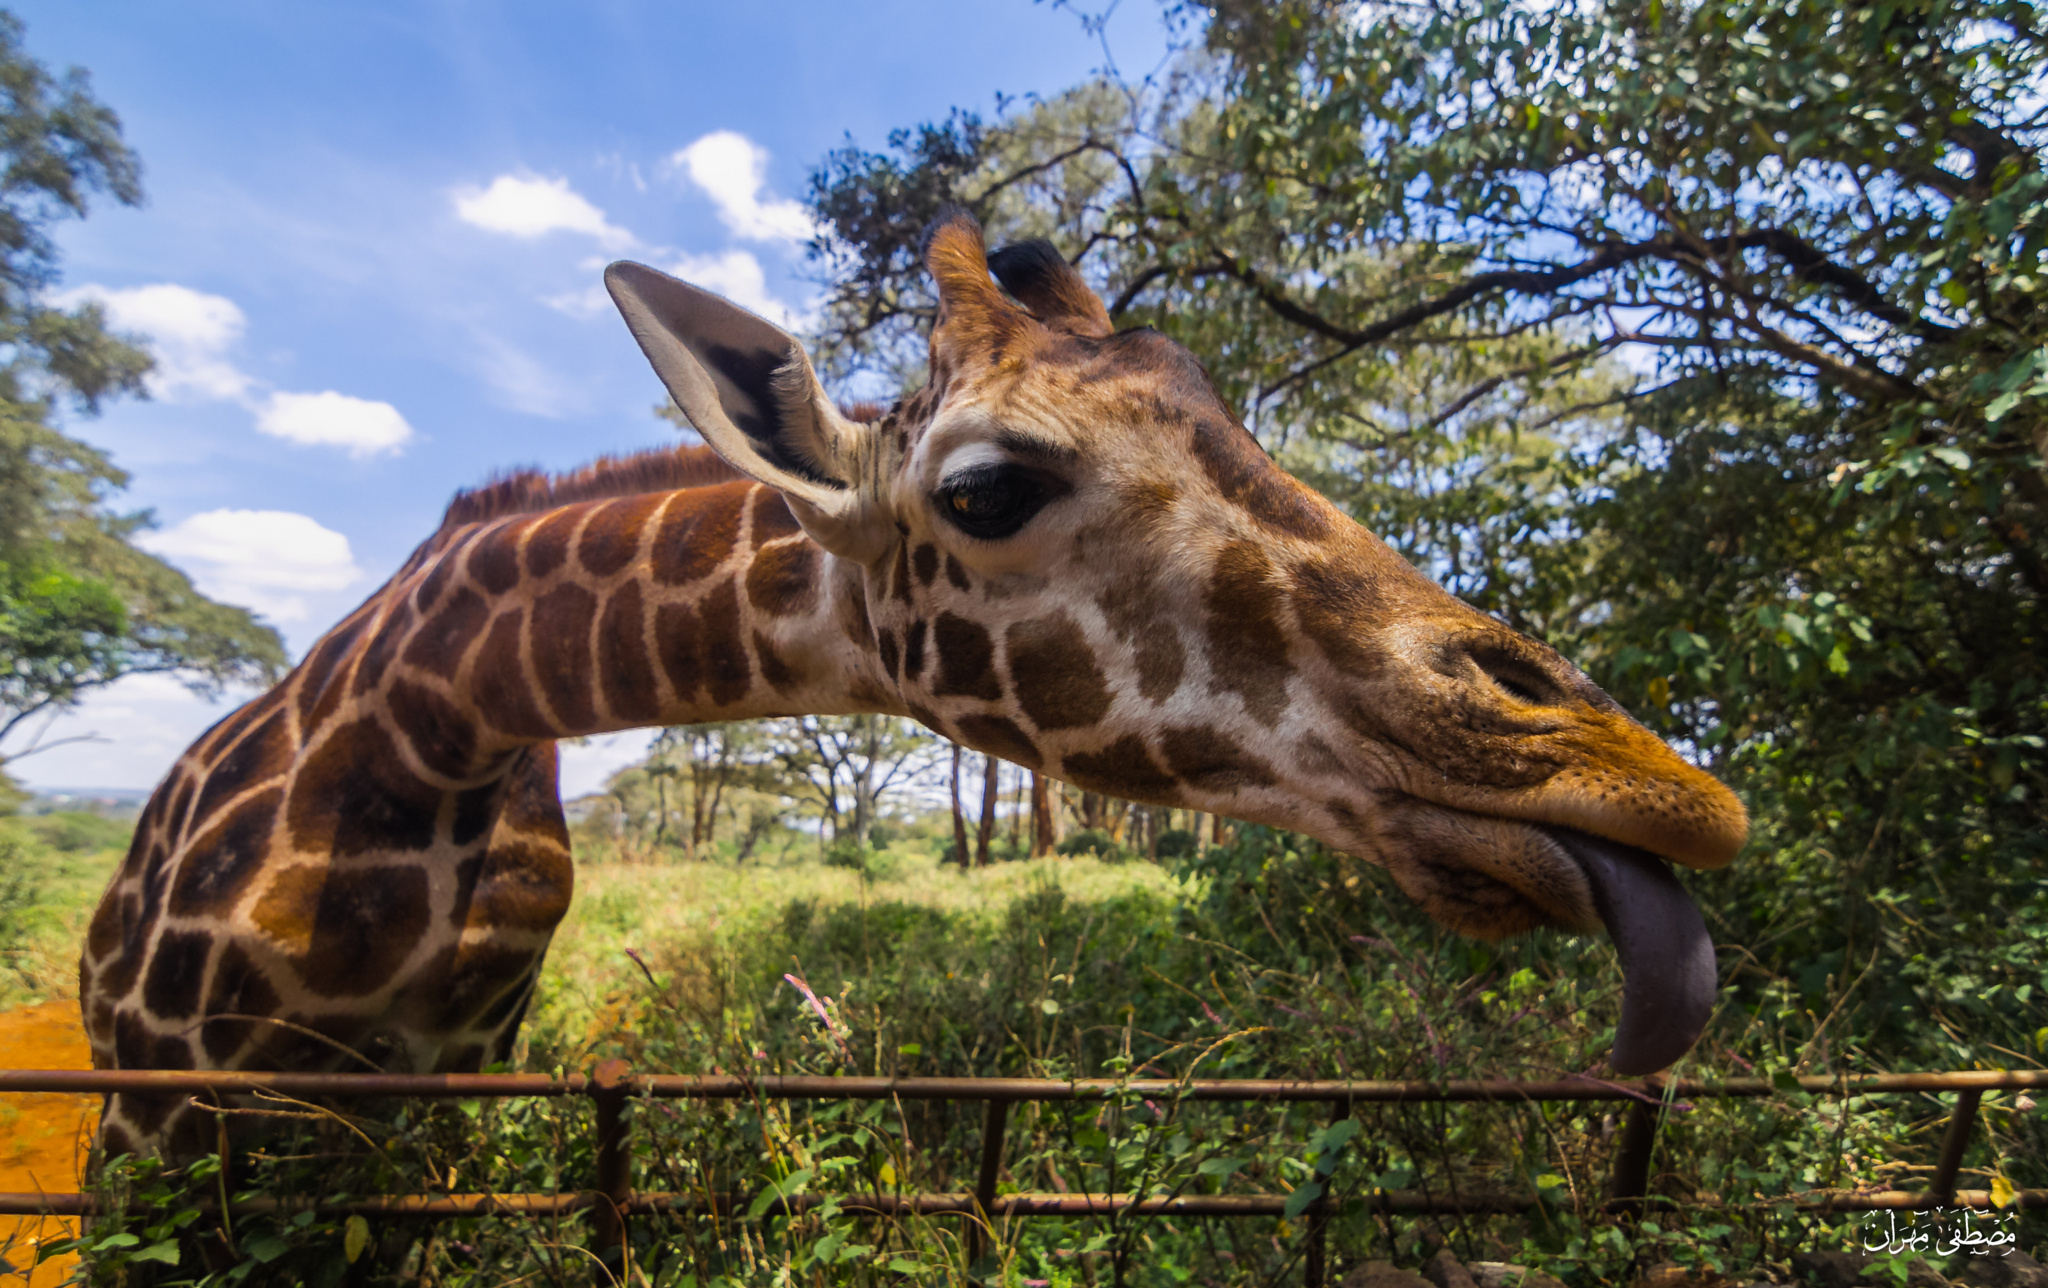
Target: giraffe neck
(670, 608)
(373, 855)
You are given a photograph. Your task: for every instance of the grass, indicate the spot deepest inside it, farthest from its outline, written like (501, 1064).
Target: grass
(52, 870)
(1257, 960)
(664, 913)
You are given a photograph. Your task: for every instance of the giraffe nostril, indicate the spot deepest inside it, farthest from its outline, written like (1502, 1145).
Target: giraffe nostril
(1516, 677)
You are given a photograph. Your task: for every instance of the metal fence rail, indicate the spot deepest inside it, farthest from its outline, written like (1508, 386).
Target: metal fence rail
(611, 1200)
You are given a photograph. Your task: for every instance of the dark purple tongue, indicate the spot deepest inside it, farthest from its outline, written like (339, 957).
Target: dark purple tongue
(1667, 959)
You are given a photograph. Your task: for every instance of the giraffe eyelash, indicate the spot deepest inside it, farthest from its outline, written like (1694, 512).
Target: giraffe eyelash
(991, 502)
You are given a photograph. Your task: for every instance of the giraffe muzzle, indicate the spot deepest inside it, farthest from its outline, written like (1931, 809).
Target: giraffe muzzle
(1667, 957)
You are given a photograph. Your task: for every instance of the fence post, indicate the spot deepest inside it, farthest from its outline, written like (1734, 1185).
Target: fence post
(994, 1123)
(614, 1170)
(1942, 1189)
(1316, 1257)
(1631, 1179)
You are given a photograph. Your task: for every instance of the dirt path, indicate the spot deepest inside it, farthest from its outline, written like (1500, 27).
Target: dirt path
(42, 1137)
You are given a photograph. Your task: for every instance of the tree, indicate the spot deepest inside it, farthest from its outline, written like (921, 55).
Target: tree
(1802, 527)
(847, 763)
(80, 605)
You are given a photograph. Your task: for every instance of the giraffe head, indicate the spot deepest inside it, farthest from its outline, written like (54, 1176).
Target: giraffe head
(1066, 550)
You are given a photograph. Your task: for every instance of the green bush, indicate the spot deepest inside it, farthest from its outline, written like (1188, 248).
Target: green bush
(1176, 843)
(71, 832)
(1089, 840)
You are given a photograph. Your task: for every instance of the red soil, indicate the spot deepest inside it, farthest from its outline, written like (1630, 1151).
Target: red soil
(43, 1138)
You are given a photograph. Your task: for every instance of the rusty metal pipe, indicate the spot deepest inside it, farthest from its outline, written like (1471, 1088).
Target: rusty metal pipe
(1402, 1202)
(712, 1087)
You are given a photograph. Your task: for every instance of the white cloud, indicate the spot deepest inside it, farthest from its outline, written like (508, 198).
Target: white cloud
(190, 333)
(363, 427)
(586, 303)
(261, 559)
(587, 762)
(732, 170)
(523, 382)
(528, 206)
(738, 276)
(141, 723)
(735, 274)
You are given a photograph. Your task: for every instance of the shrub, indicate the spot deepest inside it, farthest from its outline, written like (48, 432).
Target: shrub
(1090, 840)
(1176, 843)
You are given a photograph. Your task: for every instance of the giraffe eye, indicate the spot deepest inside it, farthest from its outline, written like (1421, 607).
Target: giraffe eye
(995, 501)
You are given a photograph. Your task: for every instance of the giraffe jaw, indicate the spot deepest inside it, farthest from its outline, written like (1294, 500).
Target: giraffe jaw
(1667, 957)
(1492, 876)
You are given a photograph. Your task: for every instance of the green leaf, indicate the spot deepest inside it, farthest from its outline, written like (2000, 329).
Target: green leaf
(265, 1248)
(1220, 1166)
(1303, 1195)
(776, 1191)
(165, 1252)
(355, 1237)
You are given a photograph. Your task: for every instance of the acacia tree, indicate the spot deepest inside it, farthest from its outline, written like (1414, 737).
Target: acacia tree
(847, 764)
(1701, 338)
(80, 605)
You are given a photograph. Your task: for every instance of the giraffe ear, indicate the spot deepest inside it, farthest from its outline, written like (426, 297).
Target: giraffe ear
(747, 387)
(973, 315)
(1054, 290)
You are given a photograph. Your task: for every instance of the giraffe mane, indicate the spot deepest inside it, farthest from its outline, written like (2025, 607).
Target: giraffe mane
(660, 469)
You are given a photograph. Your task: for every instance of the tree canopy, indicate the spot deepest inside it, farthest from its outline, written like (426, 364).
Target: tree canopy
(80, 604)
(1703, 339)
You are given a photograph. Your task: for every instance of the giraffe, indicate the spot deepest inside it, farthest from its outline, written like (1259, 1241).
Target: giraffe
(1064, 550)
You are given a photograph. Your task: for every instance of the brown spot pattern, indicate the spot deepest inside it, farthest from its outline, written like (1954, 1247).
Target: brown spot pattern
(218, 866)
(783, 579)
(623, 665)
(697, 533)
(1205, 759)
(493, 562)
(559, 643)
(1124, 768)
(348, 929)
(611, 538)
(353, 796)
(1247, 640)
(913, 649)
(1248, 479)
(238, 988)
(497, 683)
(1054, 673)
(774, 668)
(772, 517)
(547, 548)
(1000, 735)
(442, 637)
(265, 753)
(1136, 612)
(966, 659)
(177, 971)
(436, 730)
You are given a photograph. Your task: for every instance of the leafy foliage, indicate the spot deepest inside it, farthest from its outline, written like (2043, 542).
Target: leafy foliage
(1698, 338)
(80, 605)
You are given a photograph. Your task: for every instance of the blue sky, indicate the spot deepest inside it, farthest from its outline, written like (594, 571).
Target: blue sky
(373, 234)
